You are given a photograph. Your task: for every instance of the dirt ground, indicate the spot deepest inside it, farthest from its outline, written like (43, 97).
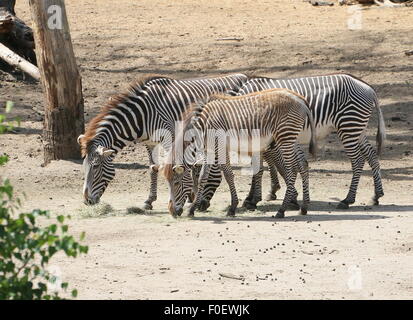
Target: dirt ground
(361, 253)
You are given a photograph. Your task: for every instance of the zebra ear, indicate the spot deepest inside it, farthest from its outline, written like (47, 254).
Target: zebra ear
(79, 138)
(179, 169)
(198, 163)
(105, 152)
(231, 93)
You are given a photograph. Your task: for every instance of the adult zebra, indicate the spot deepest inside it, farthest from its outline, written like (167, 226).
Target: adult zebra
(152, 103)
(341, 103)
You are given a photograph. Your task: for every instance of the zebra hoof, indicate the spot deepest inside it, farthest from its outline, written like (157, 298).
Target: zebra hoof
(271, 197)
(249, 205)
(293, 205)
(303, 211)
(231, 213)
(280, 214)
(147, 206)
(204, 205)
(191, 213)
(375, 202)
(343, 205)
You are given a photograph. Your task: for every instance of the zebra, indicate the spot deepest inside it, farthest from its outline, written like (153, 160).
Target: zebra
(273, 116)
(339, 102)
(151, 104)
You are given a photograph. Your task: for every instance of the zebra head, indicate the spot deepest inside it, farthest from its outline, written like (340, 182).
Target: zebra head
(180, 186)
(99, 171)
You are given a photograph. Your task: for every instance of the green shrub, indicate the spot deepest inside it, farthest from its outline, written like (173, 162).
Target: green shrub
(26, 248)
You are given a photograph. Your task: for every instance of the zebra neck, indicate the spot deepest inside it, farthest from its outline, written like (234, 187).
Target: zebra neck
(111, 141)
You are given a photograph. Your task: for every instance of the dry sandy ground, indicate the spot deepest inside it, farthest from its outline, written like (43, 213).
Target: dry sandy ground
(151, 255)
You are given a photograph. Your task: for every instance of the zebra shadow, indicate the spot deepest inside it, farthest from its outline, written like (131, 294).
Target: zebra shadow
(330, 207)
(397, 174)
(318, 211)
(290, 217)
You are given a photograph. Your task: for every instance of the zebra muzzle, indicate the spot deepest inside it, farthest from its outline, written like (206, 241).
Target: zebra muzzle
(89, 201)
(173, 210)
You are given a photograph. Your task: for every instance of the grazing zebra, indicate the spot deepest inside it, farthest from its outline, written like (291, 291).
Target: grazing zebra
(224, 125)
(152, 104)
(341, 103)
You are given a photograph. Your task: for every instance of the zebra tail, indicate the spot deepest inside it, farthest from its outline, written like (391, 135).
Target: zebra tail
(313, 140)
(381, 130)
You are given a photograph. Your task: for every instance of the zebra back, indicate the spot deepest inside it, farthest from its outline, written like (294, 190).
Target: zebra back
(151, 103)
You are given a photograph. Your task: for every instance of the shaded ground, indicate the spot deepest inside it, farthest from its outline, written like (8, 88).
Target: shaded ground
(299, 257)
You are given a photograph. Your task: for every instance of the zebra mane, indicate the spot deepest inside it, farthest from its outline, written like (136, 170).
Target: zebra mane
(135, 88)
(262, 94)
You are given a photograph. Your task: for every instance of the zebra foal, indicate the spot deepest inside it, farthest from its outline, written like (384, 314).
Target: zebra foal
(273, 117)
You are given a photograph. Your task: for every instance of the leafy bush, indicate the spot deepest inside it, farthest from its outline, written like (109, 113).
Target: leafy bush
(26, 248)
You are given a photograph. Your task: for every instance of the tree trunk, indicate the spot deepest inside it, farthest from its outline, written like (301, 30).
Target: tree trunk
(14, 33)
(61, 80)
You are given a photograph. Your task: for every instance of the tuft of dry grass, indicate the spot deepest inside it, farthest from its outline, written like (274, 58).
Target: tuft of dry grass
(99, 210)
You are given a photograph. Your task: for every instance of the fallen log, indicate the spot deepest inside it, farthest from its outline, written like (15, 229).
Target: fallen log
(14, 33)
(381, 3)
(16, 61)
(391, 4)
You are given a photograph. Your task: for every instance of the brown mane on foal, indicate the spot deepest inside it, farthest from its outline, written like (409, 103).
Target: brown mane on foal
(188, 113)
(257, 93)
(114, 101)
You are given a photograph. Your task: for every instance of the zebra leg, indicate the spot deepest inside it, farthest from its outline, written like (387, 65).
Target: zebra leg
(357, 163)
(303, 169)
(195, 177)
(214, 180)
(293, 204)
(287, 155)
(249, 197)
(275, 183)
(229, 177)
(275, 161)
(255, 194)
(154, 181)
(371, 156)
(203, 178)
